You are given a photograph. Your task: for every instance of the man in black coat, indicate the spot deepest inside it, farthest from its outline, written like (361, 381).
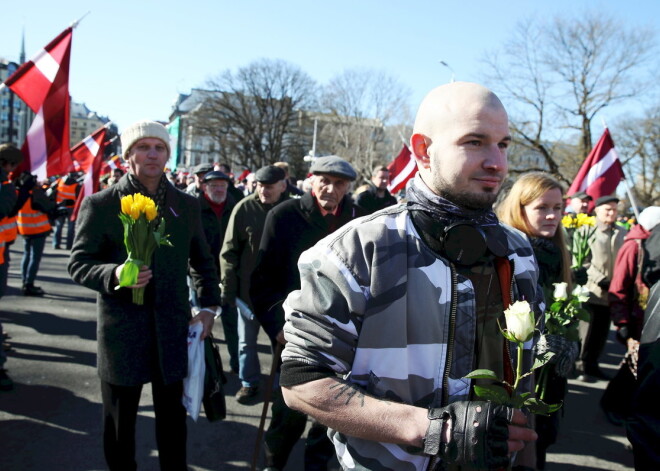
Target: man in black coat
(138, 344)
(374, 195)
(217, 204)
(291, 228)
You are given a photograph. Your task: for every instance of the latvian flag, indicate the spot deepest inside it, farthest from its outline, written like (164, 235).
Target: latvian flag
(89, 154)
(43, 84)
(402, 169)
(601, 172)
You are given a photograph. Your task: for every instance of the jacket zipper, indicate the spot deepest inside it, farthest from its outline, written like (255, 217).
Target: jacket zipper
(450, 339)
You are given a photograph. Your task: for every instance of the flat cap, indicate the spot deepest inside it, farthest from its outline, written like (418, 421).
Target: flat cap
(335, 166)
(269, 174)
(607, 199)
(202, 168)
(216, 175)
(582, 195)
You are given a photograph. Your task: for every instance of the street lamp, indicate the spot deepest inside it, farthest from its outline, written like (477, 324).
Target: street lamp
(452, 70)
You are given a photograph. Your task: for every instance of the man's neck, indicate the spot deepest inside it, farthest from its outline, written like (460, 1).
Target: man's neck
(150, 184)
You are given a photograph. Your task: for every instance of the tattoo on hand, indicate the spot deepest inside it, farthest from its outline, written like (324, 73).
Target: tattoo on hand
(350, 391)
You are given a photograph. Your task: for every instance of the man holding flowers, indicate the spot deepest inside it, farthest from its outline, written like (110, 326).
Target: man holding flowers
(396, 308)
(139, 236)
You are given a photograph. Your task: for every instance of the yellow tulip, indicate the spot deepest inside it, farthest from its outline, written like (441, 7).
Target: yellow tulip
(151, 211)
(126, 203)
(568, 222)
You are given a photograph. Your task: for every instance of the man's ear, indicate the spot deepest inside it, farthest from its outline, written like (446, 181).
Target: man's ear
(419, 144)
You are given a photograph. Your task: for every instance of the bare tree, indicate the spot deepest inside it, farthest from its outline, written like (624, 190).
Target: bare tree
(362, 109)
(557, 75)
(638, 144)
(252, 113)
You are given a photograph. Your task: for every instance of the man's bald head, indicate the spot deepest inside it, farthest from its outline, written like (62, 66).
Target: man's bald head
(459, 141)
(447, 102)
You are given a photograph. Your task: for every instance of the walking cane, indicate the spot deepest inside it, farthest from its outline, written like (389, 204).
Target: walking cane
(267, 395)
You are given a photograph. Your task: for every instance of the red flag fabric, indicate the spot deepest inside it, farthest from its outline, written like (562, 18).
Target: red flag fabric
(43, 84)
(89, 155)
(601, 172)
(243, 175)
(402, 169)
(111, 164)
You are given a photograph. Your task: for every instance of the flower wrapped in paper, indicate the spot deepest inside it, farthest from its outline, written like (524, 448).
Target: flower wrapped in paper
(581, 229)
(143, 233)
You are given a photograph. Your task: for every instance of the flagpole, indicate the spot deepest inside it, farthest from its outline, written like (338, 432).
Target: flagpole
(633, 204)
(75, 23)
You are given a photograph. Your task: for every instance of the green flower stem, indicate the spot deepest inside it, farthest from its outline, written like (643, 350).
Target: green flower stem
(518, 367)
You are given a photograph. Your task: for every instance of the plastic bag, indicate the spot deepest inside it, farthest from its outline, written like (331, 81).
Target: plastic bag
(193, 384)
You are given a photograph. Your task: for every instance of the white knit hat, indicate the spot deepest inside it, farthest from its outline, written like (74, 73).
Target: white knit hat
(141, 130)
(650, 217)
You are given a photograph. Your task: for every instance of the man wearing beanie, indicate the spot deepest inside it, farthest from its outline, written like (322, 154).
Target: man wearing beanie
(140, 344)
(291, 228)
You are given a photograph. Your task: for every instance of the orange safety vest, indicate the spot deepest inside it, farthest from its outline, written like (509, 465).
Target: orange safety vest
(66, 192)
(8, 232)
(32, 222)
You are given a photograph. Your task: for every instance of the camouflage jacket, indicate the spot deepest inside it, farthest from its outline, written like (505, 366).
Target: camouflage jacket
(382, 310)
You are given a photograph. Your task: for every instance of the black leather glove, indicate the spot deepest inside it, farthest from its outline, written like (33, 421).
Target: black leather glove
(580, 275)
(26, 180)
(604, 284)
(479, 434)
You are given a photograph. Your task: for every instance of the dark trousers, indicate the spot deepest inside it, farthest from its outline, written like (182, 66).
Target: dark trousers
(120, 407)
(285, 429)
(593, 335)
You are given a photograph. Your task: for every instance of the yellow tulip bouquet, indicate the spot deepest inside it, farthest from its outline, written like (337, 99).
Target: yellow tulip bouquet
(520, 329)
(142, 234)
(580, 237)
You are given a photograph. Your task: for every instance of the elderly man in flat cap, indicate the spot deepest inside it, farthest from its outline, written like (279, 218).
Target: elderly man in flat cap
(139, 344)
(579, 203)
(605, 244)
(237, 261)
(291, 228)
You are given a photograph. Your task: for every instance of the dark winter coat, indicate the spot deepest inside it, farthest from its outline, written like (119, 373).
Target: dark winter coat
(291, 228)
(137, 343)
(214, 227)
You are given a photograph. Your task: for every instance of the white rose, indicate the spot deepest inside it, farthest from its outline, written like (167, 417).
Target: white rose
(561, 291)
(520, 321)
(581, 293)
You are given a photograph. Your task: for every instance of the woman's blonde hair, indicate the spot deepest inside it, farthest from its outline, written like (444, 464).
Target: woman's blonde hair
(511, 211)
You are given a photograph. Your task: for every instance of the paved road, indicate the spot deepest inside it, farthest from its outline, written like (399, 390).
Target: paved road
(51, 421)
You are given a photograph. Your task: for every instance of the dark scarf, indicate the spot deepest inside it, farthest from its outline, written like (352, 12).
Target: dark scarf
(420, 198)
(161, 191)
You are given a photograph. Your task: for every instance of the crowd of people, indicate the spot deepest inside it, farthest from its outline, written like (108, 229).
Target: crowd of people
(376, 311)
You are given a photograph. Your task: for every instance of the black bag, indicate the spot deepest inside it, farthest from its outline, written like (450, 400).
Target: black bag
(215, 407)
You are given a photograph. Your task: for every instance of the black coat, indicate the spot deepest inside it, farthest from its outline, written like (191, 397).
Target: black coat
(291, 228)
(214, 227)
(136, 343)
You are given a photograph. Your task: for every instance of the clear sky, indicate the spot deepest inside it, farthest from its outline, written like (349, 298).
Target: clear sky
(131, 59)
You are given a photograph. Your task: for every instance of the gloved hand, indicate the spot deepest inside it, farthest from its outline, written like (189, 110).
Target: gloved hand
(565, 352)
(580, 275)
(26, 180)
(604, 284)
(478, 435)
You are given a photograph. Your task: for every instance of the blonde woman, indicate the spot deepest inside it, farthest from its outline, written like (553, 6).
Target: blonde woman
(534, 205)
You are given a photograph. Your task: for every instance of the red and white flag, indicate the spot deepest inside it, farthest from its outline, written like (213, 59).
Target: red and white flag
(111, 164)
(402, 169)
(89, 155)
(601, 171)
(43, 84)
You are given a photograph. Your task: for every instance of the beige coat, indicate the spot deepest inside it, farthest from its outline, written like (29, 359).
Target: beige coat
(604, 245)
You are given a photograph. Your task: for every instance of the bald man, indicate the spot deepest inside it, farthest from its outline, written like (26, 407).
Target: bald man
(395, 309)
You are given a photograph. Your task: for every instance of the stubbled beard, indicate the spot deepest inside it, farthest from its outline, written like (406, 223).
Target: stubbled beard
(465, 199)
